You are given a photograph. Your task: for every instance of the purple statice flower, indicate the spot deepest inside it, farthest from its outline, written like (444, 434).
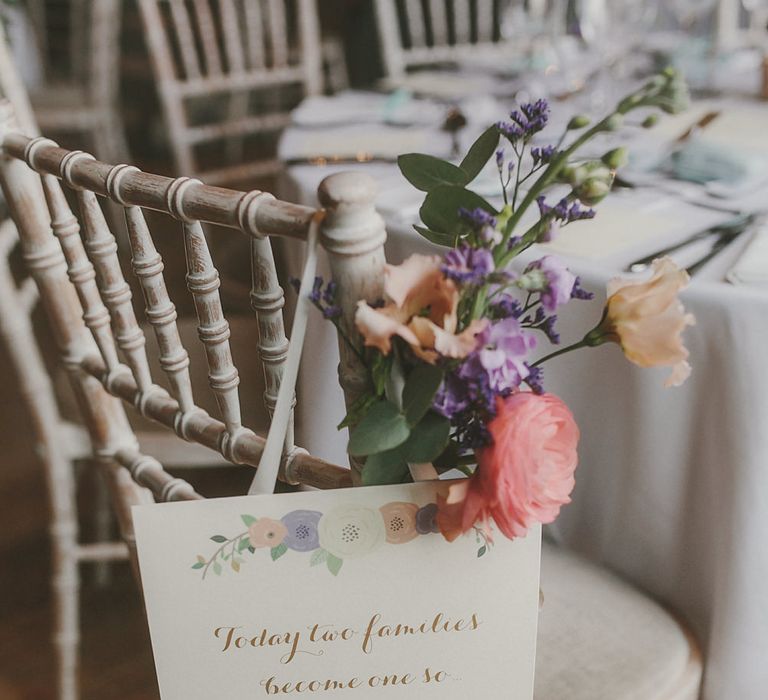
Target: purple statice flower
(473, 432)
(329, 295)
(505, 306)
(503, 349)
(477, 218)
(535, 380)
(531, 118)
(500, 158)
(467, 265)
(543, 155)
(551, 279)
(548, 327)
(452, 397)
(564, 211)
(302, 530)
(426, 519)
(579, 293)
(514, 241)
(317, 288)
(489, 236)
(321, 298)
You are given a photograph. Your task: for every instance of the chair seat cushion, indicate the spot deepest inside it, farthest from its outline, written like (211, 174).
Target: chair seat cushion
(601, 639)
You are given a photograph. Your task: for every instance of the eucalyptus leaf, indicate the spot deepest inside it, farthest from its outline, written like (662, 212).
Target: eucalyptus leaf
(387, 467)
(419, 391)
(480, 152)
(333, 563)
(426, 173)
(440, 211)
(428, 439)
(278, 551)
(383, 428)
(444, 239)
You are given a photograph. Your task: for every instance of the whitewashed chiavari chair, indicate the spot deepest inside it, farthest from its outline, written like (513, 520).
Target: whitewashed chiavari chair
(249, 53)
(79, 91)
(417, 33)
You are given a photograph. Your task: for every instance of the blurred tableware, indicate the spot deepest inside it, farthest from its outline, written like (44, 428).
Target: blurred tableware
(752, 266)
(454, 122)
(728, 230)
(719, 245)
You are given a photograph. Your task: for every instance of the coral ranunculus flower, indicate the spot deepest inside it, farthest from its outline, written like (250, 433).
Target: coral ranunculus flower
(524, 477)
(648, 320)
(421, 310)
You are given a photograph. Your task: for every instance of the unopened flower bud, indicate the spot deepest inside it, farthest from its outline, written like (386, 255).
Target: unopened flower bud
(614, 122)
(650, 121)
(616, 158)
(575, 175)
(578, 122)
(593, 190)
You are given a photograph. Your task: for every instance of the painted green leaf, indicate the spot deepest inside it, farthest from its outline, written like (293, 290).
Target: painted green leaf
(385, 468)
(480, 152)
(428, 439)
(419, 390)
(482, 551)
(236, 565)
(248, 520)
(426, 173)
(443, 239)
(318, 557)
(217, 568)
(219, 538)
(333, 563)
(440, 211)
(243, 544)
(278, 551)
(383, 428)
(198, 565)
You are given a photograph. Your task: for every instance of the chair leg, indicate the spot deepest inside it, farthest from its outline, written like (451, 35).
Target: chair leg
(103, 529)
(66, 585)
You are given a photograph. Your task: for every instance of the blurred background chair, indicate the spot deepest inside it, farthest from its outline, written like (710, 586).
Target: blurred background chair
(228, 73)
(76, 91)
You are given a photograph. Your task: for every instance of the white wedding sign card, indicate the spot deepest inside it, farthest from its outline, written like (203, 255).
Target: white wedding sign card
(336, 594)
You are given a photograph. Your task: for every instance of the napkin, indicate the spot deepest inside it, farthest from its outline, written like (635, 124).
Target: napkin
(445, 85)
(368, 141)
(752, 267)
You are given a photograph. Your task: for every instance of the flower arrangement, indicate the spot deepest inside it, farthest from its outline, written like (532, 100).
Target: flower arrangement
(453, 350)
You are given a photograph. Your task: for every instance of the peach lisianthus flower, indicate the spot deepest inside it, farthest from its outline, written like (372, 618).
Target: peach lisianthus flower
(647, 319)
(266, 532)
(421, 309)
(524, 476)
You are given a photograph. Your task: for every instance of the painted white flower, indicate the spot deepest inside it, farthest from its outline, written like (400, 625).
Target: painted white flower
(349, 531)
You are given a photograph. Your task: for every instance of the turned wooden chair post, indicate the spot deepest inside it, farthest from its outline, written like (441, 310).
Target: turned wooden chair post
(353, 236)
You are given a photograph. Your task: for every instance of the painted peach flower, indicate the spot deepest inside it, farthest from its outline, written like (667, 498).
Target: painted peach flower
(266, 532)
(647, 319)
(421, 309)
(400, 521)
(524, 476)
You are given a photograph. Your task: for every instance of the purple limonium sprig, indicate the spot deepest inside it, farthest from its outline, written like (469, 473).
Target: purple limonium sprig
(467, 265)
(502, 350)
(543, 156)
(535, 380)
(477, 218)
(531, 118)
(579, 293)
(551, 279)
(504, 306)
(564, 211)
(322, 296)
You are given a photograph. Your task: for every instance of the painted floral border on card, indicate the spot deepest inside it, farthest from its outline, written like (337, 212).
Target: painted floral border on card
(346, 531)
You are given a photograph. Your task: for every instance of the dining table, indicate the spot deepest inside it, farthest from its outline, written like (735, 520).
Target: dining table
(672, 485)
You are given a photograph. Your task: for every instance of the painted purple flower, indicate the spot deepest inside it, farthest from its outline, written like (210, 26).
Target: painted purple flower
(551, 278)
(467, 265)
(426, 519)
(531, 118)
(302, 530)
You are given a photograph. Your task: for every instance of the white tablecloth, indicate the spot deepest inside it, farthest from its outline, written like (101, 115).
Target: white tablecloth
(672, 487)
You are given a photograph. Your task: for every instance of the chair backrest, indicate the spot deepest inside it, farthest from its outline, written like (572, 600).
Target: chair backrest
(89, 305)
(241, 51)
(422, 32)
(79, 43)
